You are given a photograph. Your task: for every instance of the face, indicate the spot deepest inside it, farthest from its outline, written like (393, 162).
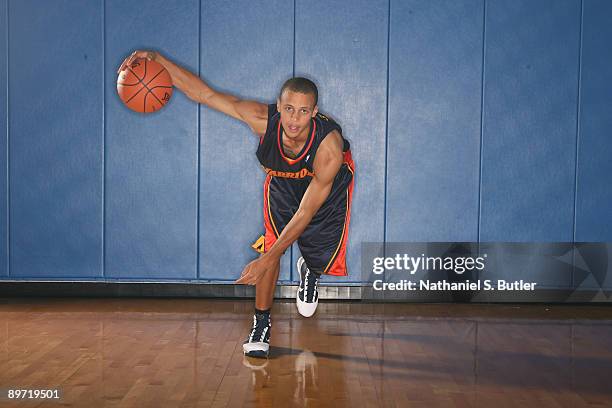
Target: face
(296, 110)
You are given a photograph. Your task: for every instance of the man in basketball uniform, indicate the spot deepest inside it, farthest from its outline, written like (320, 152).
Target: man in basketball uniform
(307, 191)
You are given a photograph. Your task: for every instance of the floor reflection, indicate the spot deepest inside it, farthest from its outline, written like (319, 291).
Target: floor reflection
(187, 353)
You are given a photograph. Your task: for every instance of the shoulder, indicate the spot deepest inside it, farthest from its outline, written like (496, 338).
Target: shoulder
(333, 143)
(329, 156)
(271, 116)
(327, 124)
(272, 110)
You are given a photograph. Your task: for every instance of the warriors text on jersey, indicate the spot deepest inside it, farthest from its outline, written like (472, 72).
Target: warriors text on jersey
(323, 242)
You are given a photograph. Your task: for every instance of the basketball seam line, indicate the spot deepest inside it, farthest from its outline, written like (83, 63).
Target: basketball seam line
(143, 84)
(144, 75)
(145, 100)
(151, 92)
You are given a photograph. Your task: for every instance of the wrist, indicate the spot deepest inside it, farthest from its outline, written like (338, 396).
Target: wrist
(273, 254)
(155, 56)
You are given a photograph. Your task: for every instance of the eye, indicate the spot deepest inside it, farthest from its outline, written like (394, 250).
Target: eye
(288, 108)
(304, 111)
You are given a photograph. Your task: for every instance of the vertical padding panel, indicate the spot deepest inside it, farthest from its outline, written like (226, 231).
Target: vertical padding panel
(55, 93)
(528, 148)
(246, 51)
(3, 142)
(594, 189)
(594, 200)
(435, 74)
(151, 160)
(342, 46)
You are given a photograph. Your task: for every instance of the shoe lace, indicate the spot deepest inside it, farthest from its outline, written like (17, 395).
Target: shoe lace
(311, 280)
(261, 325)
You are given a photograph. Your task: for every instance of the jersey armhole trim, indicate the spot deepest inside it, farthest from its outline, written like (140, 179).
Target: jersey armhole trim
(271, 115)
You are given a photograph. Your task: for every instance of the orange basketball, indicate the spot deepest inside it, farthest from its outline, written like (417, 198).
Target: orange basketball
(144, 86)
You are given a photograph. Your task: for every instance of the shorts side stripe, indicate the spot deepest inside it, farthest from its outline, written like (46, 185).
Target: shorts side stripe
(333, 258)
(270, 207)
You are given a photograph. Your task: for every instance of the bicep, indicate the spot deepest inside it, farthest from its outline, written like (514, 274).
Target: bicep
(327, 164)
(254, 114)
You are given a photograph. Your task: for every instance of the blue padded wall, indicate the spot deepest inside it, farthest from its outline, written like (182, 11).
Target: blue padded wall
(345, 53)
(151, 160)
(435, 67)
(55, 139)
(594, 191)
(3, 143)
(594, 194)
(469, 120)
(530, 100)
(245, 51)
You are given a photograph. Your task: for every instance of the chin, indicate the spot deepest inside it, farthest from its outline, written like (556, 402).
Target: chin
(292, 133)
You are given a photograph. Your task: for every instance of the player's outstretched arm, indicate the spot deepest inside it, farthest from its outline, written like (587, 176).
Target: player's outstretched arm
(326, 165)
(254, 114)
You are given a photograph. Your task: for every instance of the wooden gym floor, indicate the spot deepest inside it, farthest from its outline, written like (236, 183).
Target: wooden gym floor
(188, 353)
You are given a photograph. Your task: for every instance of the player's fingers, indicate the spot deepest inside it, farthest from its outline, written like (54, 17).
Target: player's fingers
(131, 58)
(250, 277)
(125, 62)
(122, 66)
(246, 280)
(244, 275)
(256, 280)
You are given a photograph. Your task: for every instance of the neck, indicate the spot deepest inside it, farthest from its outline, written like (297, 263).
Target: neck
(299, 139)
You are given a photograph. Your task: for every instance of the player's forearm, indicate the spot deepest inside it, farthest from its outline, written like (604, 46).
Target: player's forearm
(186, 81)
(291, 232)
(198, 90)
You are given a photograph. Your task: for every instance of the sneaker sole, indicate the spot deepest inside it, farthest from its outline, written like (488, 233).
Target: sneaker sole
(305, 309)
(258, 349)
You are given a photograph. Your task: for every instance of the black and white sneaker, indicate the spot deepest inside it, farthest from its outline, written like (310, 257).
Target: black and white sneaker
(307, 297)
(258, 342)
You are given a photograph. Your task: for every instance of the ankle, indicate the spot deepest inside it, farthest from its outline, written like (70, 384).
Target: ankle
(315, 272)
(259, 312)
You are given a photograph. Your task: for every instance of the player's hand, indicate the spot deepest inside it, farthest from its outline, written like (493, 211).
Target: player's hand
(255, 270)
(150, 55)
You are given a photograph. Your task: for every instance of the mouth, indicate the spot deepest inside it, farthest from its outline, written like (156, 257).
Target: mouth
(293, 129)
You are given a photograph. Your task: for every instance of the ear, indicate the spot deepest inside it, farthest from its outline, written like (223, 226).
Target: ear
(315, 111)
(278, 105)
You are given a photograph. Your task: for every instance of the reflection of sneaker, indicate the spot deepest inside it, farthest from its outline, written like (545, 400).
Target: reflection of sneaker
(307, 297)
(255, 364)
(259, 374)
(306, 360)
(258, 342)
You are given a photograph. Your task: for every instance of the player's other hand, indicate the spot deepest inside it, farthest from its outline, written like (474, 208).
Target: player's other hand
(150, 55)
(255, 270)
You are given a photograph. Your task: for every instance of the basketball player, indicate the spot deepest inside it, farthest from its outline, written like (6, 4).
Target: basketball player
(307, 191)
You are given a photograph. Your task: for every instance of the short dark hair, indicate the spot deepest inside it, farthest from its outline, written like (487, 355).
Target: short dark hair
(301, 85)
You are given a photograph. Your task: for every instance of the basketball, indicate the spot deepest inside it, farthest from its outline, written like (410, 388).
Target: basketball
(144, 86)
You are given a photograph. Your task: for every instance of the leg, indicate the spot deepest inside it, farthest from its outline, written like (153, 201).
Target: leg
(307, 296)
(258, 341)
(264, 290)
(323, 247)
